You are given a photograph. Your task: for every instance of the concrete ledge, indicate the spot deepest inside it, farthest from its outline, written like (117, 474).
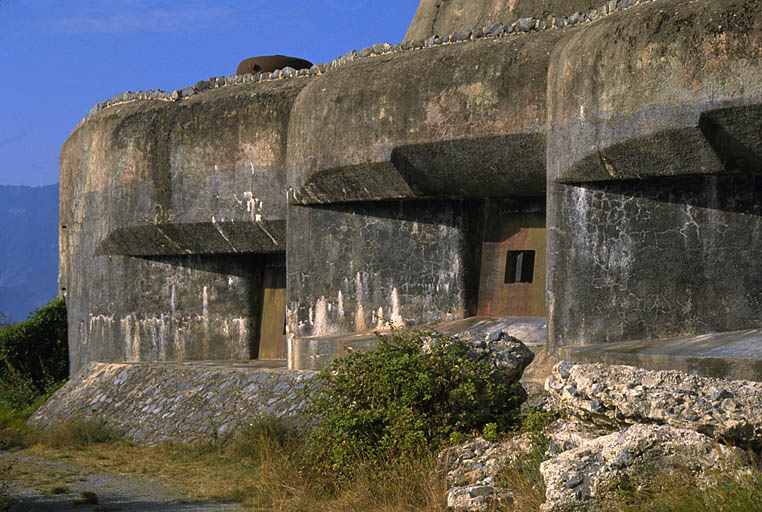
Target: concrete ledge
(729, 355)
(154, 402)
(223, 237)
(317, 352)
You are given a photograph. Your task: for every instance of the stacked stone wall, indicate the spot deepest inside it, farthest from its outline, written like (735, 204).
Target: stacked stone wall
(157, 402)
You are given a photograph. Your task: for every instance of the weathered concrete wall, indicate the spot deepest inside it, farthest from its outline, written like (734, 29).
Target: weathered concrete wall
(655, 258)
(371, 157)
(667, 89)
(144, 185)
(167, 308)
(361, 266)
(442, 17)
(151, 403)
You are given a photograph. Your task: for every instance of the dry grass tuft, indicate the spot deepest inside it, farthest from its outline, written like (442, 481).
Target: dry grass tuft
(267, 467)
(79, 433)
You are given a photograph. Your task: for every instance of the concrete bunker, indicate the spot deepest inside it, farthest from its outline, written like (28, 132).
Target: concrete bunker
(616, 159)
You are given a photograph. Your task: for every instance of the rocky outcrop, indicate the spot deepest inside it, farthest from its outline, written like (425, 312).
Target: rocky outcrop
(621, 426)
(583, 478)
(616, 396)
(477, 498)
(564, 435)
(502, 352)
(470, 470)
(477, 462)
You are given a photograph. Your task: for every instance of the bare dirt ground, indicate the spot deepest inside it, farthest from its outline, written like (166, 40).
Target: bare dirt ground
(37, 485)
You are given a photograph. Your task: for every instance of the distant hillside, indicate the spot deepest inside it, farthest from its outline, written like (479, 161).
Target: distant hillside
(28, 248)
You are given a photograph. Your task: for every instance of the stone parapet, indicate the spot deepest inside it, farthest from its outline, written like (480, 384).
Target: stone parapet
(151, 403)
(496, 24)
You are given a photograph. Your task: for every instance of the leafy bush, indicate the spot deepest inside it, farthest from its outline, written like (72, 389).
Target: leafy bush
(34, 354)
(399, 400)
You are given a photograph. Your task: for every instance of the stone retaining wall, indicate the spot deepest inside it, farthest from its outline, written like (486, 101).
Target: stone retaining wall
(155, 402)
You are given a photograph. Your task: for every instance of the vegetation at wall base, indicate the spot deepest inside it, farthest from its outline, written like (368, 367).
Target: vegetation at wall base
(272, 465)
(34, 354)
(34, 362)
(414, 393)
(267, 466)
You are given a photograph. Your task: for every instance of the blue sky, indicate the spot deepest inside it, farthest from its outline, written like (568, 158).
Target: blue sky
(59, 57)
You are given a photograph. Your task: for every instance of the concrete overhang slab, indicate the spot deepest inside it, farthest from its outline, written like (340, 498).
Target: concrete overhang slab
(657, 91)
(457, 120)
(223, 237)
(732, 355)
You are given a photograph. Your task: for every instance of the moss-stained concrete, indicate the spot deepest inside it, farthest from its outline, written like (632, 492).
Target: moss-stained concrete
(166, 181)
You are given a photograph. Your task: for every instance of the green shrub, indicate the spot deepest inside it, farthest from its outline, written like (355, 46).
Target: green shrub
(399, 401)
(34, 354)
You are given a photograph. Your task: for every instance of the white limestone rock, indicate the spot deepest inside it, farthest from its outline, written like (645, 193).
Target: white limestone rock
(613, 396)
(582, 479)
(564, 435)
(477, 498)
(477, 461)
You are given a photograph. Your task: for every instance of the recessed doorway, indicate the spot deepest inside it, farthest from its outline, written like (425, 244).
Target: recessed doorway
(271, 334)
(512, 271)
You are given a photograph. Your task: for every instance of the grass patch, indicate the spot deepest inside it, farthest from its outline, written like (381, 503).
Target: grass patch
(266, 466)
(79, 433)
(14, 431)
(523, 478)
(676, 493)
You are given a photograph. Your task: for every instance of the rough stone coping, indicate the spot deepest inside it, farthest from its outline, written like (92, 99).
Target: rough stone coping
(731, 355)
(519, 27)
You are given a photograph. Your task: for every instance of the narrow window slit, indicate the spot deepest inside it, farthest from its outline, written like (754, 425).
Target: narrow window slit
(519, 267)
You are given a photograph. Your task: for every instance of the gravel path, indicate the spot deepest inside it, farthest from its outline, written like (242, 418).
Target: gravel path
(38, 485)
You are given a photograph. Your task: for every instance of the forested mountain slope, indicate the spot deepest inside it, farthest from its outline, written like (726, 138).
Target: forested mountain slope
(28, 248)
